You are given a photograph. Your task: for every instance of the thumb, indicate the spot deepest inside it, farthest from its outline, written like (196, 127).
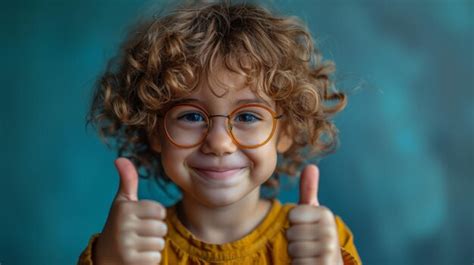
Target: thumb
(309, 184)
(128, 187)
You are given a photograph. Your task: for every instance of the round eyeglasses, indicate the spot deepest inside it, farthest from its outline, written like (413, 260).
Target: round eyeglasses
(249, 126)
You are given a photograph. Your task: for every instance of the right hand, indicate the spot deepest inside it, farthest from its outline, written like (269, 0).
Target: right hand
(135, 230)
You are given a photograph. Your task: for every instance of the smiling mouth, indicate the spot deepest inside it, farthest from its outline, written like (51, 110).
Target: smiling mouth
(217, 174)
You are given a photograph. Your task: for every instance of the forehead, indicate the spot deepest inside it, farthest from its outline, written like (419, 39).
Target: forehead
(224, 87)
(232, 99)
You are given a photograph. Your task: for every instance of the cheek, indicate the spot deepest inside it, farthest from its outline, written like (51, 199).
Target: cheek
(264, 160)
(172, 159)
(169, 153)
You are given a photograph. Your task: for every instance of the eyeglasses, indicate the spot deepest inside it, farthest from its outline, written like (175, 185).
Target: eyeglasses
(249, 126)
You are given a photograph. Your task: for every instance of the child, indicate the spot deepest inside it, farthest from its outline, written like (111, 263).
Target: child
(207, 97)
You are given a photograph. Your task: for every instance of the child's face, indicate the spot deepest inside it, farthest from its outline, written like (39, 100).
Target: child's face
(195, 169)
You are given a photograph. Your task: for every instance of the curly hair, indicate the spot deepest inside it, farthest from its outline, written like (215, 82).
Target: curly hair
(164, 58)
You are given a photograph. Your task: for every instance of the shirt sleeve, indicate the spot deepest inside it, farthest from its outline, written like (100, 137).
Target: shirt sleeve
(86, 255)
(346, 240)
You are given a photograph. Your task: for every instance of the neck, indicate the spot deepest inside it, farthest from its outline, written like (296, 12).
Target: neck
(223, 224)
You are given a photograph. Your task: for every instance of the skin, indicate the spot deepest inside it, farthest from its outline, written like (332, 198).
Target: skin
(312, 236)
(231, 209)
(134, 232)
(215, 211)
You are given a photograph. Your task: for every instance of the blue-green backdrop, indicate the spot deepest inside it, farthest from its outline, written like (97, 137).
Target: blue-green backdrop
(402, 178)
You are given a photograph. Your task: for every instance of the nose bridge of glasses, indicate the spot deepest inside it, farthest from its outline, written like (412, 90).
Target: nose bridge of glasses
(228, 125)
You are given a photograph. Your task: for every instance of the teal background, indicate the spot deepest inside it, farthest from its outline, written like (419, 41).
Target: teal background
(402, 178)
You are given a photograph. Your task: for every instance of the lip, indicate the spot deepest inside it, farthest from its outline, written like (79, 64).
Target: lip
(218, 173)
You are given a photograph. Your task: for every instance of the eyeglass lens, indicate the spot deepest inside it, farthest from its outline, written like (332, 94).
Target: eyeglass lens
(187, 125)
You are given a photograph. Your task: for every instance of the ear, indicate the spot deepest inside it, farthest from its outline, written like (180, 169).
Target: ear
(284, 140)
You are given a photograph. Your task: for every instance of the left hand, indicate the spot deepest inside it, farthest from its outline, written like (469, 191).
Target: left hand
(312, 236)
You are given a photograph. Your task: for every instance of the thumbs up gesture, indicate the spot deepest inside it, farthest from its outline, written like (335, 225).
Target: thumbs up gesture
(134, 231)
(312, 236)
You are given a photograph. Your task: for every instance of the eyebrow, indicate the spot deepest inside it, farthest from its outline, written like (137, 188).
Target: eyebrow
(238, 102)
(253, 100)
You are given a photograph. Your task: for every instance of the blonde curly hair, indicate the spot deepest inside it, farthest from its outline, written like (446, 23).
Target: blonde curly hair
(164, 58)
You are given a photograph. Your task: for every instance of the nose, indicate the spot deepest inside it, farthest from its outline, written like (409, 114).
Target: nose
(218, 141)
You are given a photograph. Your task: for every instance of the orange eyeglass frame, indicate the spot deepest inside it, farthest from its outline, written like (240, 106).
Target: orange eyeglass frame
(275, 116)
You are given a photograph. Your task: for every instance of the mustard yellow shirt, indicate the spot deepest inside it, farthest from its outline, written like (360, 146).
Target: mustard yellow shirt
(266, 244)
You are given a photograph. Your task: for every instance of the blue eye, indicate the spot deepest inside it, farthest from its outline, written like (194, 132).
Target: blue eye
(247, 117)
(192, 117)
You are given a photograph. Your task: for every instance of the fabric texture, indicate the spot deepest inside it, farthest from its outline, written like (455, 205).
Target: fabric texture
(266, 244)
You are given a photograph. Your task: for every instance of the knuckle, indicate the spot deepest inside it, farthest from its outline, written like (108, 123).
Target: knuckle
(158, 210)
(324, 209)
(290, 233)
(326, 213)
(295, 249)
(145, 258)
(163, 228)
(300, 214)
(162, 211)
(125, 209)
(291, 249)
(302, 232)
(293, 214)
(154, 257)
(304, 261)
(327, 233)
(125, 224)
(158, 257)
(154, 227)
(161, 244)
(330, 247)
(127, 242)
(149, 204)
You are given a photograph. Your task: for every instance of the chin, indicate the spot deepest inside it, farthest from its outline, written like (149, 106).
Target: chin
(220, 199)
